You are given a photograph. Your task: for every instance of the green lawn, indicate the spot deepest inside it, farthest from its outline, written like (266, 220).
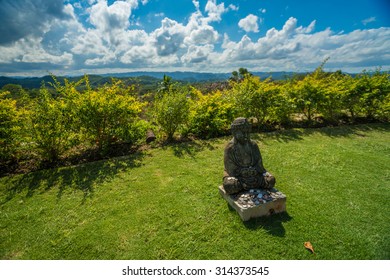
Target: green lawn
(163, 203)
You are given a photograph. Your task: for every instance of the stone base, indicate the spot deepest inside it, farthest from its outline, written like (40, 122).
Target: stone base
(255, 203)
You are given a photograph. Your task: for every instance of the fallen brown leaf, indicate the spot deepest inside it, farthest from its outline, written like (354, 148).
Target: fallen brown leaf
(309, 246)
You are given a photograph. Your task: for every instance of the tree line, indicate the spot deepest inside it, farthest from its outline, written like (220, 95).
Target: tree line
(54, 123)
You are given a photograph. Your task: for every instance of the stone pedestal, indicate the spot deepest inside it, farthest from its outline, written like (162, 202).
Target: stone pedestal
(255, 203)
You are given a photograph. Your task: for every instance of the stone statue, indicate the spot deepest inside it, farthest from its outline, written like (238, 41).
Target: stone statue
(244, 168)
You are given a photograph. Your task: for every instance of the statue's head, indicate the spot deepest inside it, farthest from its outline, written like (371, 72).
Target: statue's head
(241, 129)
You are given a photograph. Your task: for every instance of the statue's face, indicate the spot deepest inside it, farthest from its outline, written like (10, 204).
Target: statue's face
(242, 136)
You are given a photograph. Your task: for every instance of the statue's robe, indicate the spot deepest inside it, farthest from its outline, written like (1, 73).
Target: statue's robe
(243, 162)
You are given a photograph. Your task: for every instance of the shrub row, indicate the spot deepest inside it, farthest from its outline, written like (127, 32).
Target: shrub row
(56, 121)
(319, 97)
(72, 116)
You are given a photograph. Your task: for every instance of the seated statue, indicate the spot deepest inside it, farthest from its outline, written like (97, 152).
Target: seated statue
(244, 168)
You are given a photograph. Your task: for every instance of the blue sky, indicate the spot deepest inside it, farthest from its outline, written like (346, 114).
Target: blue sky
(72, 37)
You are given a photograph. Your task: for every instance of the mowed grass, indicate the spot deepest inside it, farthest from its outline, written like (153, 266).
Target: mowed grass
(163, 203)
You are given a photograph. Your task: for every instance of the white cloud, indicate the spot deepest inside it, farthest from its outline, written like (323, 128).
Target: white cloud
(215, 10)
(165, 61)
(202, 35)
(241, 51)
(308, 29)
(368, 20)
(196, 4)
(197, 54)
(110, 38)
(249, 23)
(233, 7)
(21, 19)
(173, 37)
(52, 47)
(115, 16)
(77, 5)
(138, 55)
(111, 41)
(295, 48)
(169, 37)
(105, 59)
(30, 50)
(288, 30)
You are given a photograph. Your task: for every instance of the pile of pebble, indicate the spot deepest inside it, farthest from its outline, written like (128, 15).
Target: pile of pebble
(256, 197)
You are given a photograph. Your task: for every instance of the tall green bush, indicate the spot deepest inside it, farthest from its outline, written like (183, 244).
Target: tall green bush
(171, 109)
(211, 114)
(333, 88)
(368, 95)
(262, 100)
(9, 127)
(308, 95)
(109, 114)
(377, 97)
(250, 99)
(51, 125)
(352, 101)
(283, 105)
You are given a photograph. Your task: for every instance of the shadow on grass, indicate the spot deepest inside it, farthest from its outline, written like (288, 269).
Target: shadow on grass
(80, 178)
(334, 132)
(190, 148)
(272, 224)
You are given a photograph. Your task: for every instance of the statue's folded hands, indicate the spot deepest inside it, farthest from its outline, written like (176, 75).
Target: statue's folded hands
(243, 162)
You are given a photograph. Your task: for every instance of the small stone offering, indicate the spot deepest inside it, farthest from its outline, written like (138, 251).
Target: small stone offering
(252, 207)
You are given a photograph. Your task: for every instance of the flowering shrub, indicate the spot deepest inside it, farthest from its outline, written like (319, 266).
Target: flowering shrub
(9, 127)
(170, 110)
(211, 114)
(108, 114)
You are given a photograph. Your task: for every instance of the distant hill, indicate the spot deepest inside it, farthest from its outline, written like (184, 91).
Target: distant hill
(143, 78)
(179, 76)
(199, 76)
(95, 80)
(33, 82)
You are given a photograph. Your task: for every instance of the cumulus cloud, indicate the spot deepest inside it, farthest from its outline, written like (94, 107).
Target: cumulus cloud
(61, 40)
(197, 54)
(112, 41)
(276, 45)
(61, 34)
(196, 4)
(50, 49)
(173, 37)
(215, 10)
(21, 18)
(31, 51)
(249, 23)
(65, 41)
(233, 7)
(138, 55)
(110, 38)
(169, 37)
(202, 35)
(297, 48)
(115, 16)
(307, 29)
